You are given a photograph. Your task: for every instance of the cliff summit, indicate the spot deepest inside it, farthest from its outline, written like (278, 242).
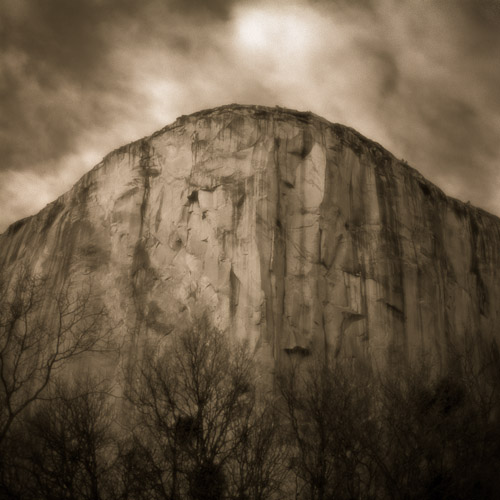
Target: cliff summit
(295, 234)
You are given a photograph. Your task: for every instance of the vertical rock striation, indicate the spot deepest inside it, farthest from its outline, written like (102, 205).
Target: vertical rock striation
(297, 235)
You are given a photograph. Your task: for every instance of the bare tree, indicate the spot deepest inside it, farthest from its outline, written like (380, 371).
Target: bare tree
(139, 469)
(39, 332)
(441, 436)
(199, 420)
(258, 468)
(329, 411)
(70, 449)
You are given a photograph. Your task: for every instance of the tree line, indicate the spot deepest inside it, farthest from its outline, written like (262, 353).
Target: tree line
(193, 422)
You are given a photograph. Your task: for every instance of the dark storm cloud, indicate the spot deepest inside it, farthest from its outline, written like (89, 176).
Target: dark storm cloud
(388, 72)
(57, 74)
(81, 77)
(435, 71)
(457, 104)
(455, 144)
(220, 9)
(69, 90)
(52, 64)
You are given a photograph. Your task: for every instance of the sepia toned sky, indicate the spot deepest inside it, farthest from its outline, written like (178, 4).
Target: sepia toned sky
(79, 78)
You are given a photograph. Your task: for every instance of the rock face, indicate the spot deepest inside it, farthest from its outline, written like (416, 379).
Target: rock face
(294, 233)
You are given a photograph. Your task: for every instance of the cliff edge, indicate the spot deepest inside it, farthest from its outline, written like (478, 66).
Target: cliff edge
(295, 234)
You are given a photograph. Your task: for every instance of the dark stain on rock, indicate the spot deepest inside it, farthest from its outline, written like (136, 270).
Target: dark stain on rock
(141, 264)
(150, 172)
(143, 273)
(143, 277)
(176, 244)
(301, 144)
(391, 249)
(459, 208)
(348, 318)
(16, 226)
(148, 161)
(307, 143)
(240, 200)
(193, 196)
(55, 209)
(425, 189)
(144, 164)
(396, 311)
(70, 235)
(238, 191)
(82, 196)
(298, 351)
(128, 194)
(234, 284)
(358, 150)
(17, 244)
(482, 290)
(94, 256)
(158, 216)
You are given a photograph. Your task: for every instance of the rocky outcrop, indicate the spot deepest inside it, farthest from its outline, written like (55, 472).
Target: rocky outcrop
(296, 234)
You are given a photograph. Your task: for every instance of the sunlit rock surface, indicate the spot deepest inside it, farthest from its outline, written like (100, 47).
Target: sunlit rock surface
(296, 234)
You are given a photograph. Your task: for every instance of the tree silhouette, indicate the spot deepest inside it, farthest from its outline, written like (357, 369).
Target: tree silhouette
(71, 448)
(40, 332)
(329, 411)
(199, 419)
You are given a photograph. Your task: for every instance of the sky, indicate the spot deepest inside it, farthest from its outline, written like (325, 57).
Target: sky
(79, 78)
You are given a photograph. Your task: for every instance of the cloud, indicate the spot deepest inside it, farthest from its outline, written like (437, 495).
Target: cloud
(39, 189)
(58, 76)
(420, 77)
(53, 78)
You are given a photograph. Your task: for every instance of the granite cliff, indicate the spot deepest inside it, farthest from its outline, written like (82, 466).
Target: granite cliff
(296, 234)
